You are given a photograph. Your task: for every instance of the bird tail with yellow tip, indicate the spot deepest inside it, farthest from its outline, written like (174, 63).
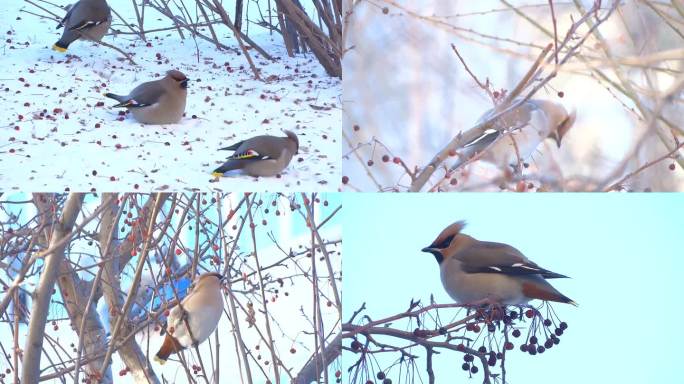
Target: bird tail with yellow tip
(60, 47)
(169, 346)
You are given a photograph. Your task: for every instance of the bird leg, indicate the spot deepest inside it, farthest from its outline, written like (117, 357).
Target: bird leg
(486, 302)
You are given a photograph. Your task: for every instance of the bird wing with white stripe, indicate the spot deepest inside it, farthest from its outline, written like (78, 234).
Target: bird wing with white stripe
(507, 260)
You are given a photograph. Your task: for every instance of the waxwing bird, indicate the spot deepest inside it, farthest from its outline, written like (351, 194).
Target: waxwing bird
(524, 127)
(157, 102)
(475, 271)
(261, 155)
(89, 19)
(201, 309)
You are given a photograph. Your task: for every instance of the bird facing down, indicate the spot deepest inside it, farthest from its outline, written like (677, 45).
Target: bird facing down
(525, 128)
(474, 271)
(261, 155)
(157, 102)
(89, 19)
(201, 309)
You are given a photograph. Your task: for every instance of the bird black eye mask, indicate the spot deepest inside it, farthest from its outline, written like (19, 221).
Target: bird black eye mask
(445, 243)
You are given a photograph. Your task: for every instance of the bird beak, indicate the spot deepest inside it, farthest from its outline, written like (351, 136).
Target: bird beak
(436, 252)
(563, 128)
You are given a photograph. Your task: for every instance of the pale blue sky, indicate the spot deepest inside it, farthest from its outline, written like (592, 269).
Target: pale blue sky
(623, 252)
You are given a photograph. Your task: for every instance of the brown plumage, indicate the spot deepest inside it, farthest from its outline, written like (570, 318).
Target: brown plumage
(472, 270)
(525, 128)
(157, 102)
(201, 310)
(169, 346)
(87, 19)
(263, 155)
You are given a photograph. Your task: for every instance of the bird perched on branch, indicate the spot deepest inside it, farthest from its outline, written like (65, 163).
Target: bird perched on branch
(524, 129)
(475, 271)
(157, 102)
(89, 19)
(201, 309)
(261, 155)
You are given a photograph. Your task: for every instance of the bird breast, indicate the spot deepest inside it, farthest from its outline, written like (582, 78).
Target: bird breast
(203, 318)
(472, 287)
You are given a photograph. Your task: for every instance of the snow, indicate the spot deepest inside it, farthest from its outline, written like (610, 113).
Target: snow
(58, 131)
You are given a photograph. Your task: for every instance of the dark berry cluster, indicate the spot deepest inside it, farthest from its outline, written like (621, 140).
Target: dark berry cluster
(492, 331)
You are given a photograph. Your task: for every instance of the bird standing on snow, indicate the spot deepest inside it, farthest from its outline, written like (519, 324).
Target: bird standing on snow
(201, 309)
(474, 271)
(89, 19)
(261, 155)
(157, 102)
(525, 128)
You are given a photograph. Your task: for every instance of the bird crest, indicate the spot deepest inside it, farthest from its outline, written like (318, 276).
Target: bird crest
(444, 238)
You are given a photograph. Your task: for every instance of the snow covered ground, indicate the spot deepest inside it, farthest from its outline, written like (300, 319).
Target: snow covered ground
(57, 131)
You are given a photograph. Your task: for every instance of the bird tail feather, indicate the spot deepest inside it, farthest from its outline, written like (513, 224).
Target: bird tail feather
(60, 47)
(545, 292)
(159, 359)
(169, 346)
